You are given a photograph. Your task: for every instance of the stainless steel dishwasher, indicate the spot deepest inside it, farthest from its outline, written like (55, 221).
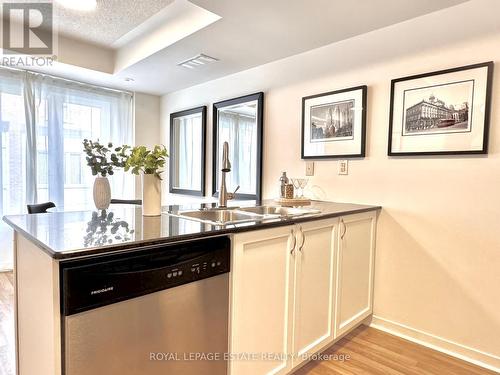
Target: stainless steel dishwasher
(159, 310)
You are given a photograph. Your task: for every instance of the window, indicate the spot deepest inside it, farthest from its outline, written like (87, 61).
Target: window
(42, 172)
(13, 140)
(51, 165)
(73, 169)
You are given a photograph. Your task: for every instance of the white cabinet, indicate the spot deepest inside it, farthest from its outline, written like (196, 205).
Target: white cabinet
(313, 318)
(282, 296)
(261, 275)
(295, 289)
(355, 263)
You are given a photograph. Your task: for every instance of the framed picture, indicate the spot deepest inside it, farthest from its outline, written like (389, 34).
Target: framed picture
(187, 151)
(441, 113)
(334, 124)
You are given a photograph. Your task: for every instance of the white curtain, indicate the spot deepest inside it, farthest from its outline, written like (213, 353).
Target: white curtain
(43, 121)
(65, 113)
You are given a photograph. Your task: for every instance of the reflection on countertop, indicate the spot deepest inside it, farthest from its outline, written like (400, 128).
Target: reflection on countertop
(104, 228)
(73, 234)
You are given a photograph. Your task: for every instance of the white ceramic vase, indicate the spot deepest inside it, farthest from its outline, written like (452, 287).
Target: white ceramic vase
(151, 227)
(151, 195)
(102, 193)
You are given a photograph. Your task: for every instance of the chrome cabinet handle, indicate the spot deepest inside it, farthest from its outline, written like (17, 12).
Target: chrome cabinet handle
(344, 229)
(292, 250)
(303, 239)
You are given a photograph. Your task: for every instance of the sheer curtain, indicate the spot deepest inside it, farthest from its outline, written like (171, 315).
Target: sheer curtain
(65, 113)
(43, 121)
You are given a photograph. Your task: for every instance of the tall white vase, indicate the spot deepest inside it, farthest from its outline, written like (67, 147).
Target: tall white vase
(151, 195)
(102, 193)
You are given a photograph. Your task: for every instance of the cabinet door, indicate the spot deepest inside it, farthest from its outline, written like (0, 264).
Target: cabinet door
(314, 288)
(355, 263)
(262, 270)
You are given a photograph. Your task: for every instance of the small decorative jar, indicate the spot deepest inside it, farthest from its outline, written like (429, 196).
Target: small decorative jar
(289, 191)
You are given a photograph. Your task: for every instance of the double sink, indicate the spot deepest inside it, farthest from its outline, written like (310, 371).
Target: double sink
(224, 216)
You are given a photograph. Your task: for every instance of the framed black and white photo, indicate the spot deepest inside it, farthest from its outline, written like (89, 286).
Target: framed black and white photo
(441, 113)
(334, 124)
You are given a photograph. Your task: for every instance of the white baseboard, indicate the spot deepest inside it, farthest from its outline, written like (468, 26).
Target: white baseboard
(475, 356)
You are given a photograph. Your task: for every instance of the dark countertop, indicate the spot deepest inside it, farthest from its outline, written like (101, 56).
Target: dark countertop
(65, 235)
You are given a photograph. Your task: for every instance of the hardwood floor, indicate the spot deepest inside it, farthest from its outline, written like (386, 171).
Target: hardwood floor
(365, 351)
(370, 351)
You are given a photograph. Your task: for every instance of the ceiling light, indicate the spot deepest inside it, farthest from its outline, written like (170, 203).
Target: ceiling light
(83, 5)
(197, 61)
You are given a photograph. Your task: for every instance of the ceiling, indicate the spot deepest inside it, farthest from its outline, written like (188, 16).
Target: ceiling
(112, 19)
(240, 33)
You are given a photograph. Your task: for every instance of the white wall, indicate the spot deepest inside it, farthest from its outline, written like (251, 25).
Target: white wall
(147, 119)
(438, 249)
(147, 125)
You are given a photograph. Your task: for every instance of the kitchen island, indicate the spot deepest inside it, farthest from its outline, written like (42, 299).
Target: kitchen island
(296, 284)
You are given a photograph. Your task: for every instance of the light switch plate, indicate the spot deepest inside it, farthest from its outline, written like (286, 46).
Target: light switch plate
(343, 167)
(309, 168)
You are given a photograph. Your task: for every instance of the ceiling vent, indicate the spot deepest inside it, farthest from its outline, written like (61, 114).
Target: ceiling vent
(197, 61)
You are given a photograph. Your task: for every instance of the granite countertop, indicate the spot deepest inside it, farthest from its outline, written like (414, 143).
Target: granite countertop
(65, 235)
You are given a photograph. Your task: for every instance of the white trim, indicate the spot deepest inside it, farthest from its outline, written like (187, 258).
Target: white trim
(355, 319)
(463, 352)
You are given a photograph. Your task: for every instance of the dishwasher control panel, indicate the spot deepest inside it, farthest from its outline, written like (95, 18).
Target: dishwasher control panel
(203, 267)
(95, 282)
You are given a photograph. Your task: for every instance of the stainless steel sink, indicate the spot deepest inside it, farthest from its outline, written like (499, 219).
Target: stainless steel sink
(244, 214)
(266, 210)
(220, 217)
(279, 211)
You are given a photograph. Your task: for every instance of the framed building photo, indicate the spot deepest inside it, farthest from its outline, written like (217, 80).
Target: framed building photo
(441, 113)
(334, 124)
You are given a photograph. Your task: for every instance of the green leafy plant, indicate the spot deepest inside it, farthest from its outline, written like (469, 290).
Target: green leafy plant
(101, 159)
(142, 160)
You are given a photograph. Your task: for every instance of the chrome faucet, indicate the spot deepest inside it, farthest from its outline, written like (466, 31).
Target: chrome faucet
(224, 196)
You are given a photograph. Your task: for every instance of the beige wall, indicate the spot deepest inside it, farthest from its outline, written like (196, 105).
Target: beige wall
(438, 249)
(146, 125)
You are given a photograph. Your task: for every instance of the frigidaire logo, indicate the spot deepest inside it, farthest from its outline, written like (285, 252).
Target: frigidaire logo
(104, 290)
(27, 28)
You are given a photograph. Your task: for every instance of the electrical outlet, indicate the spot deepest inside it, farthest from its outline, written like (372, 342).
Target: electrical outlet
(309, 168)
(343, 167)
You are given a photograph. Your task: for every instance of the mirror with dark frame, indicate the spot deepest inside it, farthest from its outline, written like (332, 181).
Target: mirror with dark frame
(187, 151)
(239, 122)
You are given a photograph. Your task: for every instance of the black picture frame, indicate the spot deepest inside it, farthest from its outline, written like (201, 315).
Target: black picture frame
(173, 116)
(259, 97)
(487, 112)
(362, 147)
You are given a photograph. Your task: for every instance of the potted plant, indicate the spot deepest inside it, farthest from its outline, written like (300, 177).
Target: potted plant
(102, 161)
(149, 163)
